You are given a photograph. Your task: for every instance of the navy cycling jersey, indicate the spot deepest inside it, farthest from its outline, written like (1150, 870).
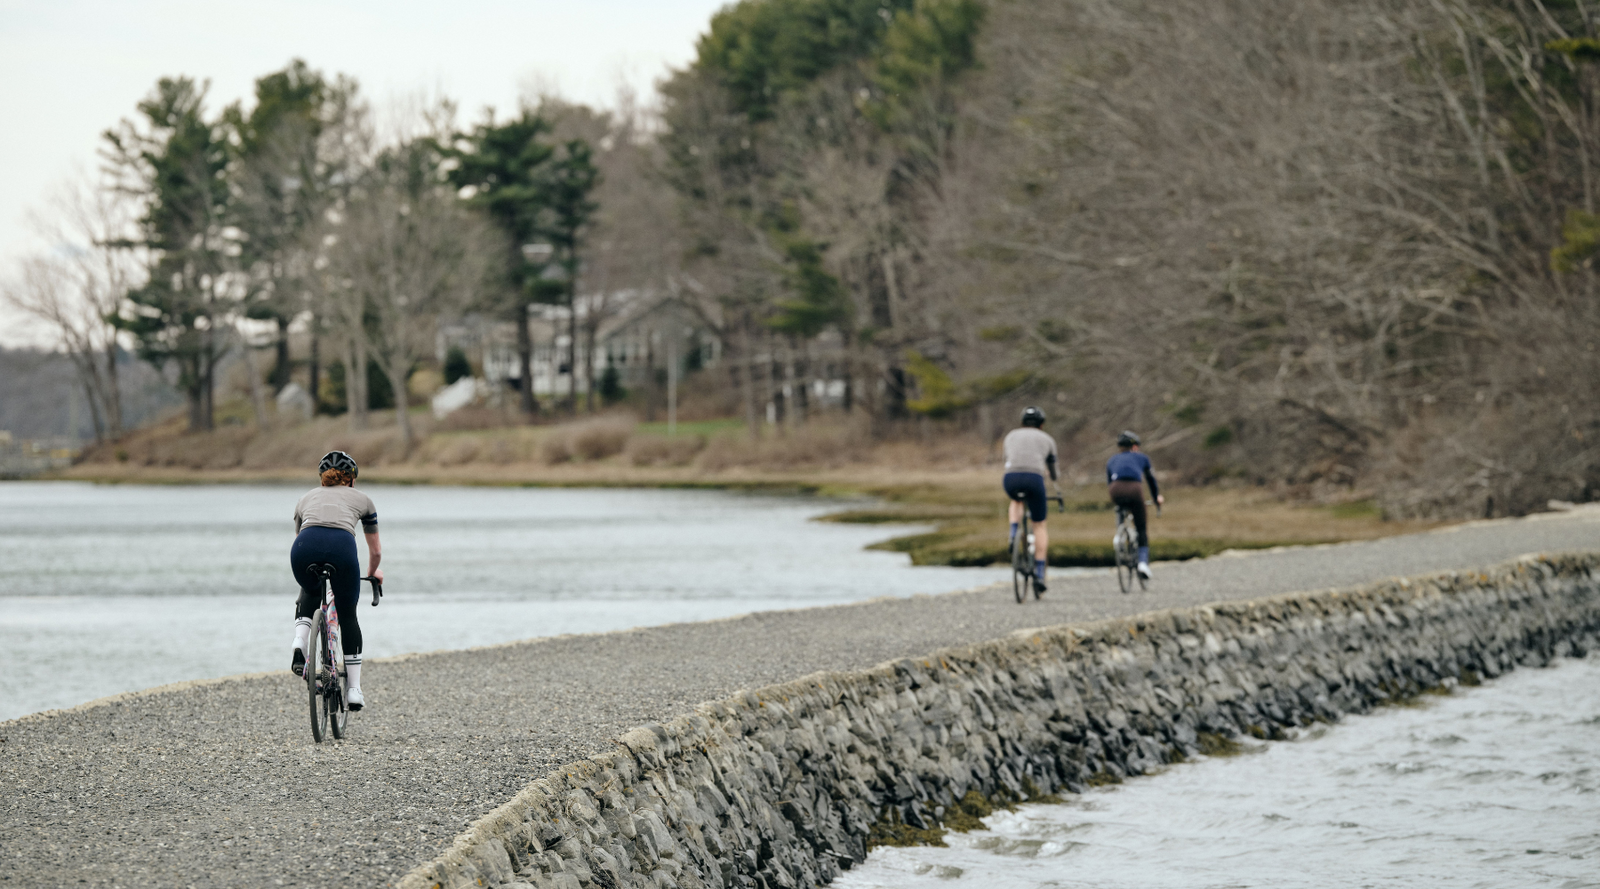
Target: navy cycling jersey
(1131, 466)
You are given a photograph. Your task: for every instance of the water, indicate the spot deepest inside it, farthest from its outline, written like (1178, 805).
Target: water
(105, 589)
(1492, 787)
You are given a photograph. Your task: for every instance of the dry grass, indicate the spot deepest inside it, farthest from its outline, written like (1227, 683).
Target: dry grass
(949, 482)
(659, 450)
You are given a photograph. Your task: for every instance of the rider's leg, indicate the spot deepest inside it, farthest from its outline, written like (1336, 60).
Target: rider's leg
(1041, 548)
(1015, 514)
(1141, 523)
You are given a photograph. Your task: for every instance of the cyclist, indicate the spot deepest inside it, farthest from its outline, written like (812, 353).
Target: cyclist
(325, 522)
(1126, 472)
(1030, 452)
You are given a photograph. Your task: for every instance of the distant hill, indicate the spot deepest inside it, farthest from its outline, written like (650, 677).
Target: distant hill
(40, 396)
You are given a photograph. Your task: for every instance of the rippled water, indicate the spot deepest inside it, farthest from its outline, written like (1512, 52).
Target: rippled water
(106, 589)
(1496, 786)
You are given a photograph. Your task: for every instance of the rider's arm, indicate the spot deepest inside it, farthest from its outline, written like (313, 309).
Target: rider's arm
(374, 554)
(1150, 478)
(1050, 462)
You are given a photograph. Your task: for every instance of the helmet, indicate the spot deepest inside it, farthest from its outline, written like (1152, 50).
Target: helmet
(1033, 417)
(1127, 439)
(339, 460)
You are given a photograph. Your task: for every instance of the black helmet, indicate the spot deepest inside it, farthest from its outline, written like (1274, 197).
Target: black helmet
(339, 460)
(1033, 417)
(1127, 439)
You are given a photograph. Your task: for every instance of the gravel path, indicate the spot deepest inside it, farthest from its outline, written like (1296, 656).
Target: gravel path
(218, 784)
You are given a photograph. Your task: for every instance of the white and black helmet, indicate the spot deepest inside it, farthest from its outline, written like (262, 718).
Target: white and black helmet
(1032, 416)
(1127, 439)
(341, 461)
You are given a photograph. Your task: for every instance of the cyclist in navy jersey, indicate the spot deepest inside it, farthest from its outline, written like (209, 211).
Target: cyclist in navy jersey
(1126, 473)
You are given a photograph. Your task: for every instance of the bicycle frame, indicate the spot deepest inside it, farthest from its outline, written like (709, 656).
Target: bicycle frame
(335, 641)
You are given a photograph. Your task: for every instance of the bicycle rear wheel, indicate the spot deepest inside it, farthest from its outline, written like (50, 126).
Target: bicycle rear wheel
(317, 667)
(1021, 563)
(334, 703)
(1124, 566)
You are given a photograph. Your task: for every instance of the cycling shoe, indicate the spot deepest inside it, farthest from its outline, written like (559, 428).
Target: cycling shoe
(298, 664)
(353, 699)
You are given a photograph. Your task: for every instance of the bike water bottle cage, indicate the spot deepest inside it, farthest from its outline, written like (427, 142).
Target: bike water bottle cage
(339, 460)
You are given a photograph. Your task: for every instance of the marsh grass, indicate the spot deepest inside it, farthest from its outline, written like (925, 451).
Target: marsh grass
(950, 482)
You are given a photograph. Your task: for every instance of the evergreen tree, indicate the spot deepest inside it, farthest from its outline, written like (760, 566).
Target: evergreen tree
(503, 164)
(175, 161)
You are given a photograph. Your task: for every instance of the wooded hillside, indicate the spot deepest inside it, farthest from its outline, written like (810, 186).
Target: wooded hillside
(1333, 243)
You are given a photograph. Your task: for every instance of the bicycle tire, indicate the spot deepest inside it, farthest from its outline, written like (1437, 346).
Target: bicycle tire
(316, 665)
(1021, 563)
(338, 710)
(1119, 555)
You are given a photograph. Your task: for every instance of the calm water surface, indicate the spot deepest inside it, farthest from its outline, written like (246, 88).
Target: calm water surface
(105, 589)
(1493, 787)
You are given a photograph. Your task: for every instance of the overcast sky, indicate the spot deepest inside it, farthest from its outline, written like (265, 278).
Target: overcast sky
(70, 69)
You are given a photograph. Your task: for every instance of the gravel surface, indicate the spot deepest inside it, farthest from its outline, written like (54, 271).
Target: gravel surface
(219, 784)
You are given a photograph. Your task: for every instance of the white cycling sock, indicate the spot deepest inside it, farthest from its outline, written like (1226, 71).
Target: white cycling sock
(302, 632)
(352, 670)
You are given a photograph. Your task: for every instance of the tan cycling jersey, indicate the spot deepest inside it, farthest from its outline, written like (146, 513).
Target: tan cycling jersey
(336, 507)
(1030, 450)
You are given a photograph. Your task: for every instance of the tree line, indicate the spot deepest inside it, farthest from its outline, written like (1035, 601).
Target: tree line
(209, 228)
(1341, 245)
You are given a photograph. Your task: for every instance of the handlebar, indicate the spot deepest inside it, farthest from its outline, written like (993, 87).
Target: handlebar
(1061, 503)
(377, 589)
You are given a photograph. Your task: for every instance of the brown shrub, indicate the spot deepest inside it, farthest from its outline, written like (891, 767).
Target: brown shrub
(459, 451)
(475, 417)
(812, 445)
(652, 450)
(601, 438)
(594, 439)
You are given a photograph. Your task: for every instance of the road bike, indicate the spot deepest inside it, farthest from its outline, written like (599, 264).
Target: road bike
(1125, 549)
(324, 670)
(1023, 577)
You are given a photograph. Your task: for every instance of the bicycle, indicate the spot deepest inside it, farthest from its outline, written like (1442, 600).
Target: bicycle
(1022, 557)
(324, 670)
(1125, 549)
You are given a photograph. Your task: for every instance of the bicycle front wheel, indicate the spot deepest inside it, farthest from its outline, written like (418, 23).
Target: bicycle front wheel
(1124, 566)
(1021, 565)
(318, 668)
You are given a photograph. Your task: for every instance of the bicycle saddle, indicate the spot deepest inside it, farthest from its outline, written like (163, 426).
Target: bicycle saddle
(322, 569)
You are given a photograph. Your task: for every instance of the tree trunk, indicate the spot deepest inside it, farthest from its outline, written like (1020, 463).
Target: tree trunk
(281, 365)
(530, 405)
(94, 412)
(572, 347)
(258, 401)
(402, 413)
(113, 394)
(316, 370)
(745, 379)
(355, 383)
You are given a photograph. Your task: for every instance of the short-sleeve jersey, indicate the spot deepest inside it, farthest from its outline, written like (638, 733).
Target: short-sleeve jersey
(336, 507)
(1030, 450)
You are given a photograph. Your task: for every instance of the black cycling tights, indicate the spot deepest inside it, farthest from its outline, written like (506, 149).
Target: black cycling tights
(337, 547)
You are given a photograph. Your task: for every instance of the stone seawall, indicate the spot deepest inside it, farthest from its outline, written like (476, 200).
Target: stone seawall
(780, 787)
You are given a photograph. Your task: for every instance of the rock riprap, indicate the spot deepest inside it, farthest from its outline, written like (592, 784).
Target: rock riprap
(779, 787)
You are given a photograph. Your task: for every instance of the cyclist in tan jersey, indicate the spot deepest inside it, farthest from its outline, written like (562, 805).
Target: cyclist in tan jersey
(325, 523)
(1030, 453)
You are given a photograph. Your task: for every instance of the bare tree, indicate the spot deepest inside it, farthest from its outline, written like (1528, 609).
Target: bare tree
(404, 251)
(80, 287)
